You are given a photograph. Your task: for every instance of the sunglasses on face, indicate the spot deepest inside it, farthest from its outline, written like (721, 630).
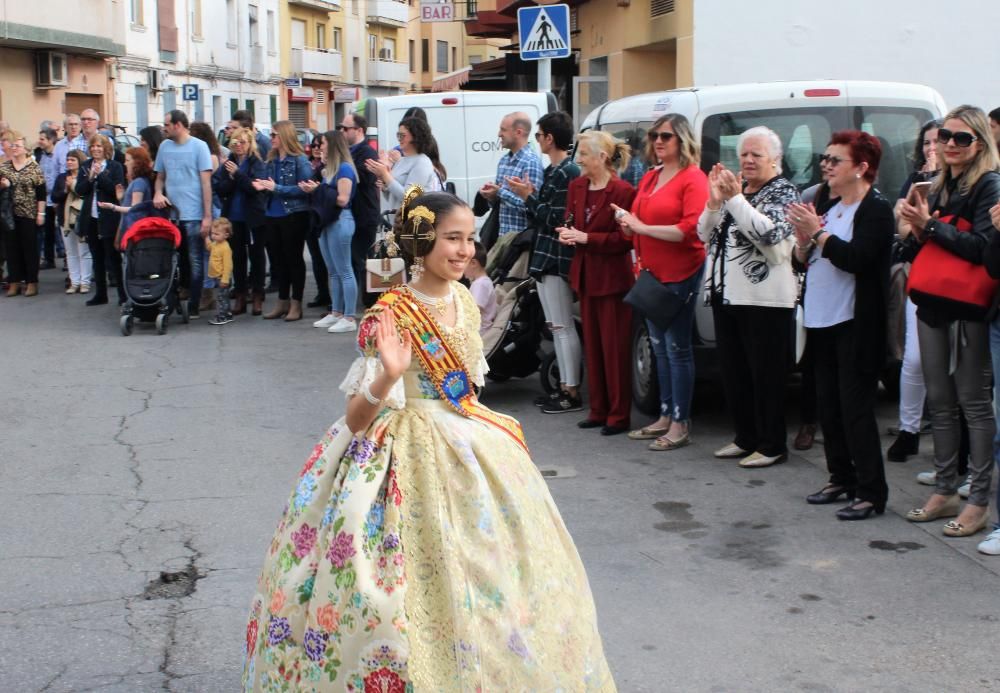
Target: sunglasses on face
(345, 128)
(831, 160)
(662, 136)
(962, 139)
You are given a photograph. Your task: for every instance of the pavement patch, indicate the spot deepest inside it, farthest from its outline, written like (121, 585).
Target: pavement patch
(678, 517)
(901, 547)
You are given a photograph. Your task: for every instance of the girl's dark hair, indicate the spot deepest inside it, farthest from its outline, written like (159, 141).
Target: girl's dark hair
(414, 112)
(203, 131)
(407, 227)
(152, 136)
(424, 142)
(918, 149)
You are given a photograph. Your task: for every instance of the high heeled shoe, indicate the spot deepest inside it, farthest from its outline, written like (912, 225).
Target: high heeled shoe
(851, 513)
(830, 494)
(950, 508)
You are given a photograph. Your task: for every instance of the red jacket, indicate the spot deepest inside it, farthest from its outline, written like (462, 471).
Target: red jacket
(603, 265)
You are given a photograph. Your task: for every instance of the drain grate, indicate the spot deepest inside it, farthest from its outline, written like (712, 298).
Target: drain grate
(172, 585)
(557, 472)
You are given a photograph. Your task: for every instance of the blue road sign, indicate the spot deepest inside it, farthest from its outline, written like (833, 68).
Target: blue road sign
(543, 31)
(189, 92)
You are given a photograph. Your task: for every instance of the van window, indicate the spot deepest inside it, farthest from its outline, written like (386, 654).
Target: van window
(635, 135)
(804, 133)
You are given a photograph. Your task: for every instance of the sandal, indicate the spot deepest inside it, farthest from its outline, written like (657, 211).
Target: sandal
(647, 433)
(663, 443)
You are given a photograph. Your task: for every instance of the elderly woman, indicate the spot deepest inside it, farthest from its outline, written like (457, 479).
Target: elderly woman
(663, 225)
(845, 243)
(600, 274)
(752, 289)
(102, 179)
(24, 178)
(955, 343)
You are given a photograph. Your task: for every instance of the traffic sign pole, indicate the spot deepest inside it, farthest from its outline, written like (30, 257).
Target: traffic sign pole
(545, 74)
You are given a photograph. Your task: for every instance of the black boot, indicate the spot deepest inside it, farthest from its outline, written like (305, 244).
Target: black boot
(906, 444)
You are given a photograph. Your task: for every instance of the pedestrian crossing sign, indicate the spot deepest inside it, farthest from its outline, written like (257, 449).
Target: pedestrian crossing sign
(543, 31)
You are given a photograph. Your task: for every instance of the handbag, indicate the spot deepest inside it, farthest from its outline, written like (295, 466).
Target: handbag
(381, 274)
(654, 301)
(943, 281)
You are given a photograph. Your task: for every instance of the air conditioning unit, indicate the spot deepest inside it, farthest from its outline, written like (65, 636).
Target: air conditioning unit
(50, 69)
(384, 54)
(158, 80)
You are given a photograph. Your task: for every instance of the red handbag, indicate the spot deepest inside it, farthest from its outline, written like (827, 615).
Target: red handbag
(945, 282)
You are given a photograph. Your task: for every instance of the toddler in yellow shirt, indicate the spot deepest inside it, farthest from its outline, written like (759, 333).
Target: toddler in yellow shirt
(220, 268)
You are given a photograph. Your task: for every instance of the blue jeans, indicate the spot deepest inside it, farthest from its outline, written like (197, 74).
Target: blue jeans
(335, 245)
(674, 356)
(995, 354)
(196, 256)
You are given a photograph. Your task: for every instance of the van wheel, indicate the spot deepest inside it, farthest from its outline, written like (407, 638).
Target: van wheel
(645, 390)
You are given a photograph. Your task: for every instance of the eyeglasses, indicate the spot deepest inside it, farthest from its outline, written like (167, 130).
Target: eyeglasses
(831, 159)
(962, 139)
(274, 135)
(344, 128)
(662, 136)
(401, 135)
(87, 118)
(539, 135)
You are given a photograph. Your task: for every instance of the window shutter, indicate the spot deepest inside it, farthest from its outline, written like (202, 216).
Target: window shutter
(166, 25)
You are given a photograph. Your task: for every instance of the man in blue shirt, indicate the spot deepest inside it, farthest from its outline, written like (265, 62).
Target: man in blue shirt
(74, 139)
(520, 162)
(184, 182)
(49, 241)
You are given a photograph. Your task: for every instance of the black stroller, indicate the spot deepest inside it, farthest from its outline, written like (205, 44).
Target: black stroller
(150, 274)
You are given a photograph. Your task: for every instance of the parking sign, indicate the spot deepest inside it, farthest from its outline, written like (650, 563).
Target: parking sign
(190, 92)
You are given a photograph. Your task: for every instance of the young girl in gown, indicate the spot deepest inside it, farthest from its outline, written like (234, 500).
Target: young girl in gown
(421, 549)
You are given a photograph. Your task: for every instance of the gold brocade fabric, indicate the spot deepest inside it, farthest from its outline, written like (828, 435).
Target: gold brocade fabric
(424, 554)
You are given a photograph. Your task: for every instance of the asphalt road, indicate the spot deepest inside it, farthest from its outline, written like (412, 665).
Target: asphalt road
(121, 459)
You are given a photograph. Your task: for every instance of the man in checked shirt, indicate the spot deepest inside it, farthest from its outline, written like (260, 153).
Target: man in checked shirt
(519, 162)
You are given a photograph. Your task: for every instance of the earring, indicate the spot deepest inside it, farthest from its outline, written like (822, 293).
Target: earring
(416, 269)
(857, 175)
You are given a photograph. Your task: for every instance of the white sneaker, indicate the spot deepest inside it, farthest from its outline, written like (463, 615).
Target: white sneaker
(991, 544)
(965, 488)
(343, 325)
(927, 478)
(327, 320)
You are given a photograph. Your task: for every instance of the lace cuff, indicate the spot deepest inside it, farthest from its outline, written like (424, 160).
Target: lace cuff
(364, 371)
(479, 370)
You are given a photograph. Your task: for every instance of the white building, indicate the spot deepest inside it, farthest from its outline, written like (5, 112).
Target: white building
(227, 49)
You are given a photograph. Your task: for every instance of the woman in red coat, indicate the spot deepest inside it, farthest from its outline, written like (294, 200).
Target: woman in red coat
(601, 275)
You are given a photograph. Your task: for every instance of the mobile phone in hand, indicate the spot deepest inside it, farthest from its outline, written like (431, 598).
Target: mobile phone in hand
(920, 190)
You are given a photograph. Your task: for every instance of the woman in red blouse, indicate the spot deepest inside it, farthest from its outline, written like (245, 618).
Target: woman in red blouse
(601, 275)
(663, 225)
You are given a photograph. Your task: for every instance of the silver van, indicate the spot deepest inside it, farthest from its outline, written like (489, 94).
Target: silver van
(804, 115)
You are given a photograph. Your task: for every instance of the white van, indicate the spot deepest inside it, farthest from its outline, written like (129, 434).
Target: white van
(465, 125)
(804, 115)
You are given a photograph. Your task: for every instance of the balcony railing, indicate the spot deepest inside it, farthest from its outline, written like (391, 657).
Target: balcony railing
(388, 71)
(328, 5)
(308, 61)
(387, 12)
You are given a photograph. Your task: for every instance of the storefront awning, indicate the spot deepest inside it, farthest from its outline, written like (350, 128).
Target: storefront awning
(452, 81)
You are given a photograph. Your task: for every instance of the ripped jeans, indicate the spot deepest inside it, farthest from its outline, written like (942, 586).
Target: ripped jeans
(674, 356)
(557, 304)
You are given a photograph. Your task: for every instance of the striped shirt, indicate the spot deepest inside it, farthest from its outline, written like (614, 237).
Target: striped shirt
(526, 165)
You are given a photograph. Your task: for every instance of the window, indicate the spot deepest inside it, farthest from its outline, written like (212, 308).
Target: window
(321, 36)
(336, 39)
(231, 22)
(135, 12)
(454, 58)
(274, 108)
(271, 42)
(413, 55)
(234, 105)
(471, 9)
(251, 106)
(388, 49)
(475, 59)
(425, 57)
(196, 18)
(356, 69)
(442, 56)
(254, 25)
(298, 34)
(372, 47)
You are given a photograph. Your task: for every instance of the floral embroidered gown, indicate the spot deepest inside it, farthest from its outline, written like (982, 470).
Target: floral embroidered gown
(423, 554)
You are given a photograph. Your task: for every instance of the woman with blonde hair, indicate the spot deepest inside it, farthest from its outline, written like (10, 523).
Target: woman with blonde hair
(288, 216)
(332, 195)
(244, 206)
(24, 178)
(102, 179)
(601, 274)
(663, 226)
(954, 340)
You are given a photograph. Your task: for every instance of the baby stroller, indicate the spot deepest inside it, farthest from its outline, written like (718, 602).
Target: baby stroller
(513, 344)
(150, 273)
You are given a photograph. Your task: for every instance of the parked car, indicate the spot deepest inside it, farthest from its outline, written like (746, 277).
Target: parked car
(306, 137)
(804, 115)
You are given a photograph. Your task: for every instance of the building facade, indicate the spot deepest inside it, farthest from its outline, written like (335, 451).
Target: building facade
(225, 53)
(56, 62)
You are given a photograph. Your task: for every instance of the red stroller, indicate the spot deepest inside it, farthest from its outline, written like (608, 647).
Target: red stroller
(150, 274)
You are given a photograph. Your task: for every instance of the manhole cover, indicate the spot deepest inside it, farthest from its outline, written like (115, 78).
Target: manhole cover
(172, 585)
(557, 472)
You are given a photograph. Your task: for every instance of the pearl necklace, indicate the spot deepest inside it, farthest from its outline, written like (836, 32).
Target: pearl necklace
(438, 304)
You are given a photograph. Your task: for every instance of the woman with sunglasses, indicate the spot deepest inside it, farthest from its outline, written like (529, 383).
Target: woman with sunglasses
(288, 216)
(844, 243)
(663, 225)
(954, 345)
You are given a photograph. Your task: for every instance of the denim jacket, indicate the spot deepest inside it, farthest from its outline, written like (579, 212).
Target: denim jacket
(286, 174)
